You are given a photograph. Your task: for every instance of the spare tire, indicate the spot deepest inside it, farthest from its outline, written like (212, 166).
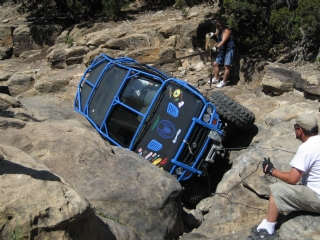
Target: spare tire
(231, 111)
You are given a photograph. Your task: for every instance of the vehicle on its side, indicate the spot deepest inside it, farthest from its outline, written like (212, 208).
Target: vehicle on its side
(164, 119)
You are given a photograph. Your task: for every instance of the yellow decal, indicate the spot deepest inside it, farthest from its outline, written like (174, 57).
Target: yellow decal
(157, 161)
(176, 93)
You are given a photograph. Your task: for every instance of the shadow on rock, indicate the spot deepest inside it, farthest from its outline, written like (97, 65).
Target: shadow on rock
(8, 167)
(24, 116)
(285, 218)
(237, 139)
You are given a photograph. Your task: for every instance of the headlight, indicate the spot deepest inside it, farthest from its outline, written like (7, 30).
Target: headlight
(209, 109)
(179, 171)
(206, 117)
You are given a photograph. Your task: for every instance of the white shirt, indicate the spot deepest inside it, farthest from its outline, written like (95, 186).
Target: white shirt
(307, 159)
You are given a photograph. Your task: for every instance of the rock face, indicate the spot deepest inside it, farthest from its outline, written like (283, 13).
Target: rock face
(150, 207)
(61, 180)
(40, 204)
(21, 82)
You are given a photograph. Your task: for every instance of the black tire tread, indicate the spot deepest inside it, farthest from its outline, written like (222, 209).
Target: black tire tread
(231, 111)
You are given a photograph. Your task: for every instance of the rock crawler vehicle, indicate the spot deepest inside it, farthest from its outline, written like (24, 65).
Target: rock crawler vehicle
(164, 119)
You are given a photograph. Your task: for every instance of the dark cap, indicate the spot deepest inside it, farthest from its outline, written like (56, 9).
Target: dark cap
(306, 121)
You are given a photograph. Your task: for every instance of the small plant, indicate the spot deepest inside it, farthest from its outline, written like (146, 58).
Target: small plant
(185, 12)
(16, 235)
(68, 40)
(99, 213)
(113, 8)
(181, 4)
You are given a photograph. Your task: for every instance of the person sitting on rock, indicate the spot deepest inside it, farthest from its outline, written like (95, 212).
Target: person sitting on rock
(288, 195)
(226, 52)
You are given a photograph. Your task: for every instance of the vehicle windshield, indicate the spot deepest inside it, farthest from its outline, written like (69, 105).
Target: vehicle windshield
(124, 119)
(139, 92)
(122, 125)
(104, 95)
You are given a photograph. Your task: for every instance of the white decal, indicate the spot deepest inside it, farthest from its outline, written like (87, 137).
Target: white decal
(175, 139)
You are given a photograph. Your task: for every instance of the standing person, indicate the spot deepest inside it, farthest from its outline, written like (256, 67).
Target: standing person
(226, 52)
(287, 195)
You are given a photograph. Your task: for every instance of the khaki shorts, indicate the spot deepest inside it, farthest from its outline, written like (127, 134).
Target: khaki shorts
(295, 197)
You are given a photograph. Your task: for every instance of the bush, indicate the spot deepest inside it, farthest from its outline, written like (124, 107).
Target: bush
(83, 9)
(287, 24)
(68, 40)
(112, 8)
(183, 3)
(80, 7)
(271, 22)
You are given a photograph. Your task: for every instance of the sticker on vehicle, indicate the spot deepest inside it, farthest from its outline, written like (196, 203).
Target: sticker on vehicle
(155, 123)
(154, 145)
(157, 161)
(175, 139)
(176, 93)
(166, 129)
(164, 161)
(172, 110)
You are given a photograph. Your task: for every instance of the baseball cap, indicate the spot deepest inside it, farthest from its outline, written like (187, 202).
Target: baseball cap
(306, 121)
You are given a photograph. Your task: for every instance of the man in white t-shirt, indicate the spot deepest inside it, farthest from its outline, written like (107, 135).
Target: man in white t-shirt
(288, 195)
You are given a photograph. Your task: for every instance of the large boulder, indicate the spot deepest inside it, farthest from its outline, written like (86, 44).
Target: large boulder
(95, 39)
(310, 85)
(37, 204)
(6, 42)
(129, 42)
(6, 36)
(167, 54)
(5, 52)
(7, 101)
(5, 75)
(79, 31)
(91, 55)
(53, 81)
(145, 54)
(279, 80)
(62, 57)
(21, 81)
(35, 37)
(118, 183)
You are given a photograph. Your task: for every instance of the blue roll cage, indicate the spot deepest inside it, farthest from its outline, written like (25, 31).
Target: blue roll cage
(121, 62)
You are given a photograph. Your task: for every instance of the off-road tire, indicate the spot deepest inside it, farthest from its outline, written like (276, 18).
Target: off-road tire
(231, 111)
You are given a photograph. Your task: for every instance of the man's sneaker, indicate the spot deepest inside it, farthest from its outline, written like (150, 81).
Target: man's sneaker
(214, 80)
(261, 234)
(221, 84)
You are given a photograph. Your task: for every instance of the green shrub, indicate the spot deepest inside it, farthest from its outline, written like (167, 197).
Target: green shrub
(260, 22)
(68, 40)
(112, 8)
(81, 7)
(181, 3)
(16, 235)
(190, 3)
(287, 24)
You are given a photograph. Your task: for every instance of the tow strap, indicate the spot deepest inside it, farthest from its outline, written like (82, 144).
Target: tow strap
(175, 59)
(189, 56)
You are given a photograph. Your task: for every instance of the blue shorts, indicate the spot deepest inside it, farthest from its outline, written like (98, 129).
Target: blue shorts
(227, 59)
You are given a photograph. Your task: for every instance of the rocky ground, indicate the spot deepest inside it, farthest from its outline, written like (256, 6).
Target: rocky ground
(51, 155)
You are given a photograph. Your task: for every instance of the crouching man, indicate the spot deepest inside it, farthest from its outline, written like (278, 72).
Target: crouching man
(288, 195)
